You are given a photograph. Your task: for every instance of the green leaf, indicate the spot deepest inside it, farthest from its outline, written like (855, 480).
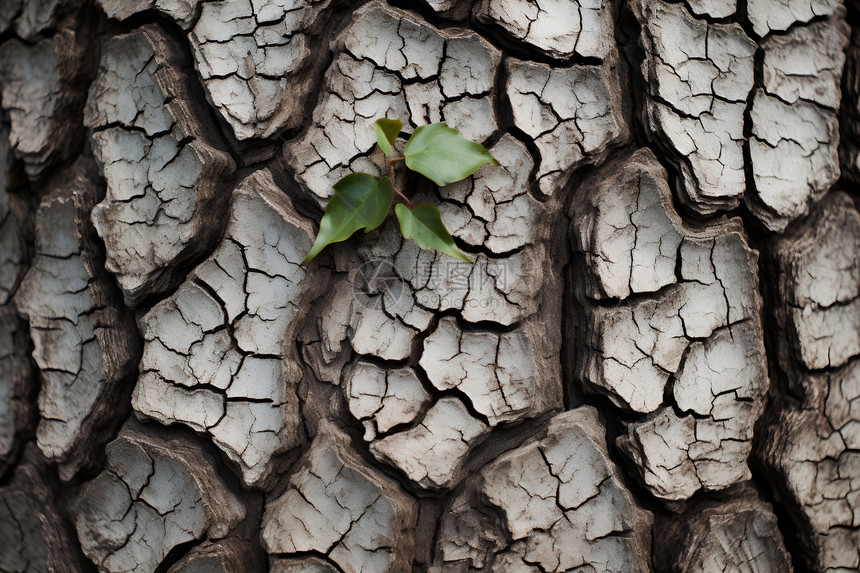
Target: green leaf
(423, 224)
(360, 201)
(441, 154)
(387, 131)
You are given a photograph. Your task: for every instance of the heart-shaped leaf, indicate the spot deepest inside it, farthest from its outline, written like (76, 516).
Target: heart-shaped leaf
(423, 224)
(360, 201)
(387, 131)
(442, 155)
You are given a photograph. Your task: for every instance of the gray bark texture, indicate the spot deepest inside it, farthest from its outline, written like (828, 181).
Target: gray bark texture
(653, 363)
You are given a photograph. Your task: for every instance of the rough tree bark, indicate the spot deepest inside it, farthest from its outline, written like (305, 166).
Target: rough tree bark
(652, 365)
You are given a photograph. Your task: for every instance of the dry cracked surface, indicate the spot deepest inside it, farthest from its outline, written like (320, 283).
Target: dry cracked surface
(810, 451)
(431, 454)
(781, 15)
(458, 378)
(13, 221)
(475, 380)
(389, 63)
(684, 345)
(738, 534)
(699, 76)
(85, 343)
(231, 555)
(497, 372)
(488, 363)
(157, 492)
(513, 514)
(503, 290)
(16, 387)
(381, 399)
(338, 507)
(800, 95)
(560, 29)
(706, 107)
(810, 444)
(217, 352)
(573, 115)
(159, 155)
(42, 87)
(818, 266)
(494, 208)
(179, 394)
(254, 57)
(256, 62)
(37, 535)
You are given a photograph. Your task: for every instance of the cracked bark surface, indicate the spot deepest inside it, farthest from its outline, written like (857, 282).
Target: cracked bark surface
(810, 453)
(802, 73)
(699, 76)
(497, 373)
(705, 106)
(819, 271)
(559, 29)
(233, 555)
(389, 63)
(13, 223)
(567, 131)
(36, 533)
(809, 444)
(42, 88)
(217, 354)
(337, 506)
(432, 453)
(85, 342)
(17, 387)
(161, 159)
(598, 378)
(253, 57)
(494, 208)
(737, 534)
(157, 492)
(512, 515)
(687, 351)
(812, 457)
(428, 417)
(382, 399)
(849, 112)
(781, 15)
(256, 62)
(386, 304)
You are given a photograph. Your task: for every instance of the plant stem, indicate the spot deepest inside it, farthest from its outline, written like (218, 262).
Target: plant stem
(405, 198)
(390, 172)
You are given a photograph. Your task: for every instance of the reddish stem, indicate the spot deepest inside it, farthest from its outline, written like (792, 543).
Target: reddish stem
(390, 172)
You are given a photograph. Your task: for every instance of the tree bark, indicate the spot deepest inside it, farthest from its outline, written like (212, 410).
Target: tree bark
(651, 365)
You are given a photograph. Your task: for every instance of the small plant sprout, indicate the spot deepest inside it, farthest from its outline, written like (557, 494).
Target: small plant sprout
(362, 201)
